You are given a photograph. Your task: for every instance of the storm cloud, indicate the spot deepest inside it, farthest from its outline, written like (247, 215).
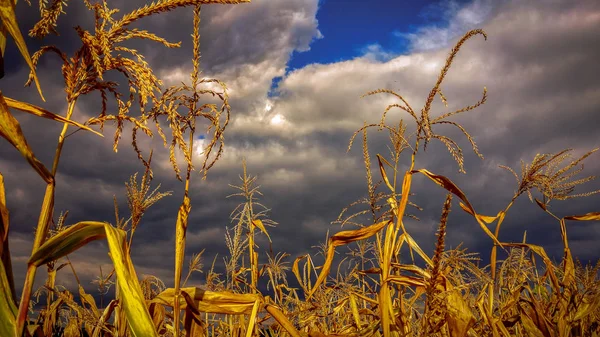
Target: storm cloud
(539, 65)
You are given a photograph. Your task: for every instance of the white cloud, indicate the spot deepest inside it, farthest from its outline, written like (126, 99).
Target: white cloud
(459, 20)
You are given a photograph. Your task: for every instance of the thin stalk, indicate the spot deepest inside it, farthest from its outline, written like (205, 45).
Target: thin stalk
(493, 258)
(180, 233)
(42, 228)
(180, 230)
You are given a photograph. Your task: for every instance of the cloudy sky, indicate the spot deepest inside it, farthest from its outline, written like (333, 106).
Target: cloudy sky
(296, 70)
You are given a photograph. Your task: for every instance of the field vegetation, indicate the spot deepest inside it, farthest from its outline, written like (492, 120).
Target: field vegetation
(375, 291)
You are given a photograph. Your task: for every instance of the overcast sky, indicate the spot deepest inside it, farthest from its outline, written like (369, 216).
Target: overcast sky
(296, 70)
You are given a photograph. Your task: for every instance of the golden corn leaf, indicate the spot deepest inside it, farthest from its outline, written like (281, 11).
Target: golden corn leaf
(569, 267)
(380, 161)
(592, 216)
(222, 302)
(4, 250)
(8, 309)
(542, 253)
(41, 112)
(252, 319)
(180, 234)
(459, 316)
(406, 183)
(9, 20)
(529, 326)
(413, 269)
(158, 313)
(11, 131)
(568, 279)
(131, 295)
(89, 299)
(3, 214)
(130, 291)
(72, 328)
(485, 218)
(413, 245)
(451, 187)
(67, 241)
(282, 320)
(406, 280)
(296, 269)
(104, 318)
(344, 238)
(258, 223)
(589, 304)
(354, 309)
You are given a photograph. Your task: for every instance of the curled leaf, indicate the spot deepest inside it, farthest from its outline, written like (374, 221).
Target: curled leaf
(451, 187)
(11, 131)
(344, 238)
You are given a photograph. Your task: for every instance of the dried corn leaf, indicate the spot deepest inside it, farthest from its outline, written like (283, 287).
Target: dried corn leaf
(354, 309)
(210, 301)
(258, 223)
(41, 112)
(409, 281)
(130, 291)
(344, 238)
(592, 216)
(180, 234)
(4, 250)
(542, 253)
(8, 309)
(569, 267)
(108, 311)
(589, 304)
(9, 20)
(413, 245)
(529, 326)
(296, 271)
(11, 131)
(282, 320)
(485, 218)
(89, 299)
(459, 316)
(252, 319)
(451, 187)
(380, 161)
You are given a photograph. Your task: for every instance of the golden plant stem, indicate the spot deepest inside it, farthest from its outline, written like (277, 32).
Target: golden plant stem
(385, 300)
(180, 233)
(493, 258)
(253, 256)
(42, 228)
(253, 265)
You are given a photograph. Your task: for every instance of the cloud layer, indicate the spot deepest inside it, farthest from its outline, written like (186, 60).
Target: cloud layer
(538, 64)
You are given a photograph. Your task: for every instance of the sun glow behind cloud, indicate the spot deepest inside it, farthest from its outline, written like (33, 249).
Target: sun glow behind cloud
(277, 120)
(199, 146)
